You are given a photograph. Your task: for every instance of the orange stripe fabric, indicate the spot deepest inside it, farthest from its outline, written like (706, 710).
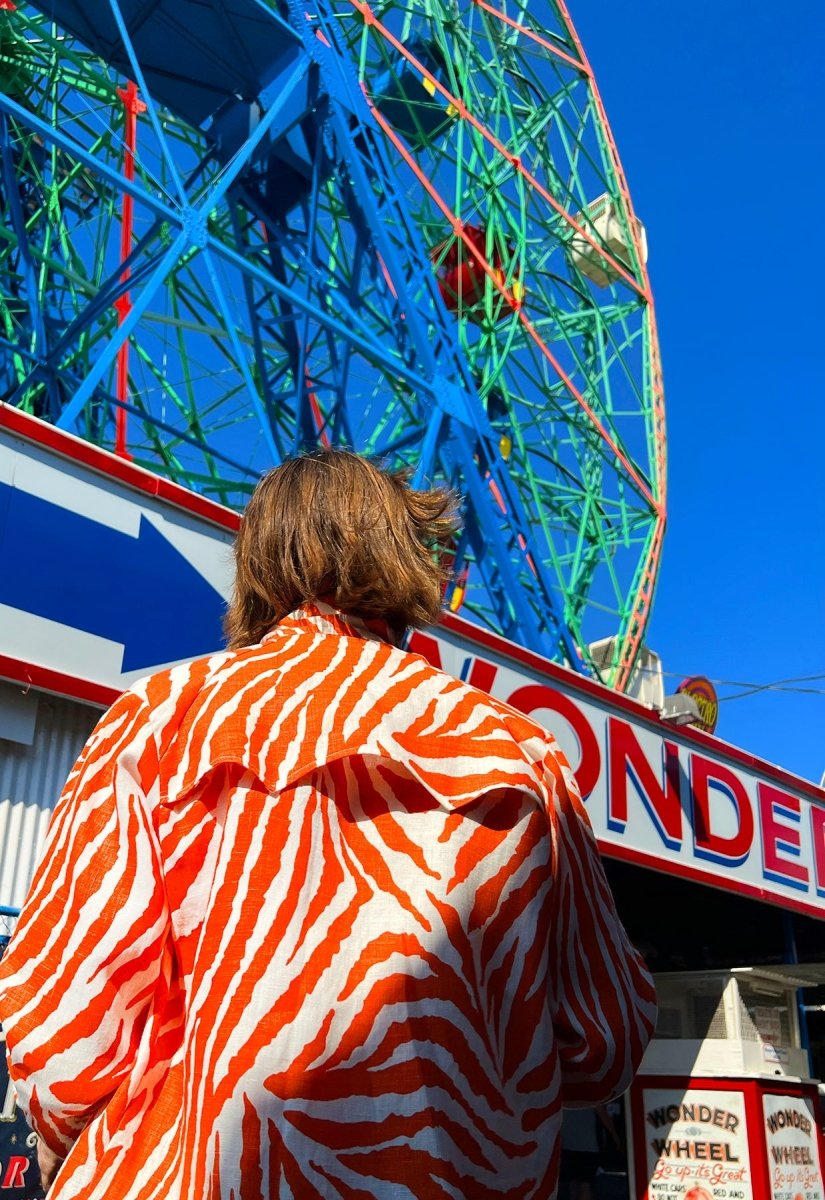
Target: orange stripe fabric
(315, 919)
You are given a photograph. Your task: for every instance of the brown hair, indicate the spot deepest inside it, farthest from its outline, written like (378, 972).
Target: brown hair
(333, 526)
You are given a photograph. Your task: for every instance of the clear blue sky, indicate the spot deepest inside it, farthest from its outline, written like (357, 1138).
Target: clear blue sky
(718, 109)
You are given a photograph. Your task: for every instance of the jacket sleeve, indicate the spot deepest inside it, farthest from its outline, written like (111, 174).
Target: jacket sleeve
(604, 1004)
(80, 971)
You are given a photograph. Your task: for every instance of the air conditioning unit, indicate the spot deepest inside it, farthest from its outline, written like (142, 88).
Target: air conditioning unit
(646, 682)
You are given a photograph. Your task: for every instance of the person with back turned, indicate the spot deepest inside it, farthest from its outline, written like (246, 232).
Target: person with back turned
(315, 919)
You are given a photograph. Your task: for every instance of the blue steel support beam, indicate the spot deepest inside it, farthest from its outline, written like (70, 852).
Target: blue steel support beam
(347, 101)
(469, 425)
(131, 271)
(305, 424)
(425, 468)
(257, 344)
(240, 357)
(55, 137)
(145, 94)
(240, 160)
(109, 353)
(347, 329)
(105, 299)
(371, 348)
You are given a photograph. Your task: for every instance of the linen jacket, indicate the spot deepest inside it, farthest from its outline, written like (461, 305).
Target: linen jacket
(315, 919)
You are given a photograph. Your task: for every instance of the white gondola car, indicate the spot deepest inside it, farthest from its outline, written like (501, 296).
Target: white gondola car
(602, 221)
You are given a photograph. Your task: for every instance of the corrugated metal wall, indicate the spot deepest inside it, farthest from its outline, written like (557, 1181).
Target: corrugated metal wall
(31, 778)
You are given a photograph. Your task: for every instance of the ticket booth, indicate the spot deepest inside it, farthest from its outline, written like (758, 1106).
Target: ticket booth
(724, 1107)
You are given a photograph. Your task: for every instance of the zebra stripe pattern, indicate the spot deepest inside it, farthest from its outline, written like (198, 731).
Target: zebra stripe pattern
(317, 920)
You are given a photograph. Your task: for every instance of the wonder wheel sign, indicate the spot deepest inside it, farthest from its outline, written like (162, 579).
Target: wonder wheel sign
(78, 523)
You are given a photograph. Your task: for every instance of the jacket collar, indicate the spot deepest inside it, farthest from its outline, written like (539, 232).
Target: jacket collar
(318, 617)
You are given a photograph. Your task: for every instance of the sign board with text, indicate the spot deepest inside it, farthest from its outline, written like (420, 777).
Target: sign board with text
(696, 1144)
(791, 1136)
(110, 572)
(724, 1139)
(674, 800)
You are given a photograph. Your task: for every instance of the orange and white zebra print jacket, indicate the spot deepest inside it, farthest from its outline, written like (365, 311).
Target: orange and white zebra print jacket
(315, 919)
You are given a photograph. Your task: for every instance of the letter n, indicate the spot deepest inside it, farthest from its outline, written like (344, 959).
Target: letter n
(658, 790)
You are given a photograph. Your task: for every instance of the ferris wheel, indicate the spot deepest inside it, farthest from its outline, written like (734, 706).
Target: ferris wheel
(231, 231)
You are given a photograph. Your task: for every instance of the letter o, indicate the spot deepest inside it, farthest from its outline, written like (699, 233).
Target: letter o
(536, 695)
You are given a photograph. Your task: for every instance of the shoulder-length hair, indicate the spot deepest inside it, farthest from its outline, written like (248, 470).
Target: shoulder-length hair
(332, 526)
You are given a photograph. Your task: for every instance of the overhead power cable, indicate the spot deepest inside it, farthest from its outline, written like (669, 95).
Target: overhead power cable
(752, 688)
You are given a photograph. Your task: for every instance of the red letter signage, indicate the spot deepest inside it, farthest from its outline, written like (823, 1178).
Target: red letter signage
(780, 838)
(629, 762)
(536, 696)
(709, 777)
